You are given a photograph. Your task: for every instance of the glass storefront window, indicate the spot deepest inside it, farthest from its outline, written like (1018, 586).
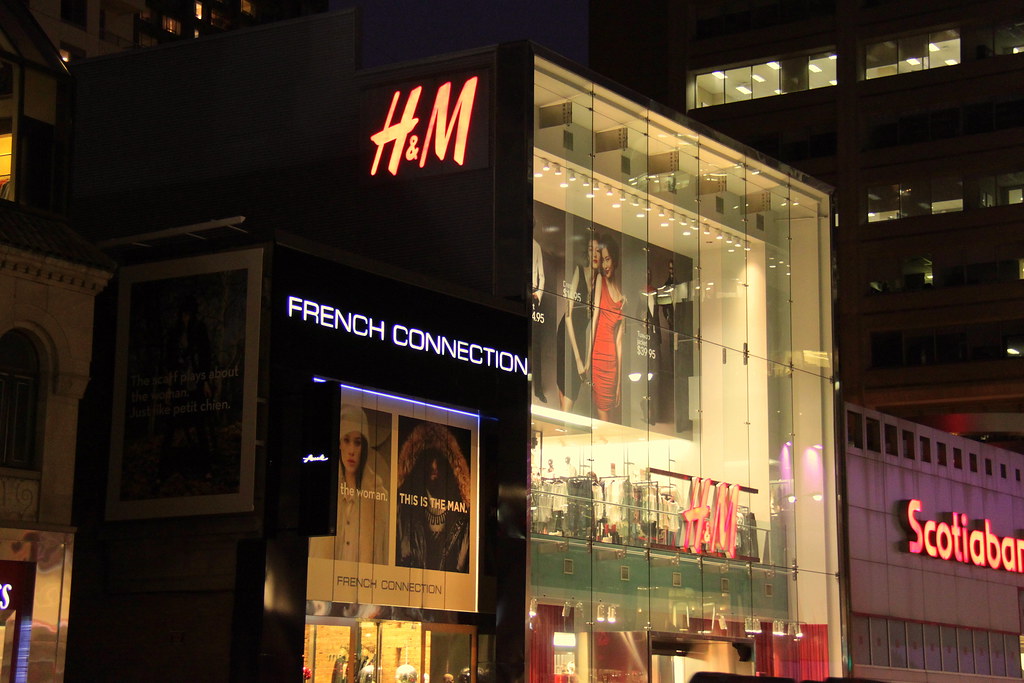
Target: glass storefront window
(677, 462)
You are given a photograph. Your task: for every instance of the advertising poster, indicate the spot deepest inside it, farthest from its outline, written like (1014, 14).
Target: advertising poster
(184, 398)
(407, 507)
(612, 324)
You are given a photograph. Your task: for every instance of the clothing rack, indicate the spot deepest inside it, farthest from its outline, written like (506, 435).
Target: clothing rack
(688, 477)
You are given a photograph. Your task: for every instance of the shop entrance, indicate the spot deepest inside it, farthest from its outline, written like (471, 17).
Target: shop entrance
(368, 651)
(677, 662)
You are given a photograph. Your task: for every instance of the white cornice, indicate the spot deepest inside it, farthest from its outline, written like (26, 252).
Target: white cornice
(53, 271)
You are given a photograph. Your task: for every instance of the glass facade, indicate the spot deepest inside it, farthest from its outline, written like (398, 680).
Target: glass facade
(682, 464)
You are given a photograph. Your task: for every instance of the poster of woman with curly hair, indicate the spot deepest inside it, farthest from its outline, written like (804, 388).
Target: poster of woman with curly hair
(434, 503)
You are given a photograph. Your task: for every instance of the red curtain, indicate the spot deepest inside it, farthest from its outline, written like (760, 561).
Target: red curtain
(803, 658)
(542, 650)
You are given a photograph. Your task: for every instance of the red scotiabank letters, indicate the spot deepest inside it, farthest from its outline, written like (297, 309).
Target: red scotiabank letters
(955, 541)
(446, 127)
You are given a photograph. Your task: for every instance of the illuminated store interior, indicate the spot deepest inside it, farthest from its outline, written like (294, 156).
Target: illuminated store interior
(682, 503)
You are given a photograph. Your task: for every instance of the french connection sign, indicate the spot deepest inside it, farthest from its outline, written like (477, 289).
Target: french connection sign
(404, 336)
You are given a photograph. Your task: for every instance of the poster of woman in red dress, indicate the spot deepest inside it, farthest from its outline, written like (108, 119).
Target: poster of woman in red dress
(606, 346)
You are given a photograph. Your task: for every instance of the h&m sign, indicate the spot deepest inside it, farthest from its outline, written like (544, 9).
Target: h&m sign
(428, 127)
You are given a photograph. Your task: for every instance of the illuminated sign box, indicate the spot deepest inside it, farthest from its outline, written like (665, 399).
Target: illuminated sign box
(427, 127)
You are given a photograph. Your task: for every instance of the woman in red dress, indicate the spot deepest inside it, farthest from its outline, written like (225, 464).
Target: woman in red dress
(606, 348)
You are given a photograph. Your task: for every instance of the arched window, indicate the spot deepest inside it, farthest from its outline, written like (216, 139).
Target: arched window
(19, 381)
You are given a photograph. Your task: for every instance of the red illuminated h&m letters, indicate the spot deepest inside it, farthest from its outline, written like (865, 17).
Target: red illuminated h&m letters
(710, 526)
(448, 128)
(956, 541)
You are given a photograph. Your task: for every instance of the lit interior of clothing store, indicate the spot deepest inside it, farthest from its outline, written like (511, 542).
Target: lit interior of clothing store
(682, 434)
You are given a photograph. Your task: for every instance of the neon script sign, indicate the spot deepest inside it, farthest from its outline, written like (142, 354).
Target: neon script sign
(447, 128)
(957, 541)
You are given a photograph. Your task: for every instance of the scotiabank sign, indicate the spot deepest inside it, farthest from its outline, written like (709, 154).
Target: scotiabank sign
(427, 127)
(957, 541)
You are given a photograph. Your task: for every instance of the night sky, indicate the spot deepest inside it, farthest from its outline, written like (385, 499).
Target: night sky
(403, 30)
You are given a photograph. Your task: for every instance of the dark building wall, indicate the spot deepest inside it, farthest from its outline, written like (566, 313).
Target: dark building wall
(265, 123)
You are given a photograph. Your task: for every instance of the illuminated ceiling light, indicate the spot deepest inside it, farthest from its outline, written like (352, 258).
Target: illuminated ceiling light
(634, 376)
(746, 246)
(572, 176)
(586, 181)
(777, 91)
(758, 78)
(731, 249)
(664, 224)
(538, 174)
(563, 184)
(833, 82)
(609, 193)
(565, 609)
(791, 499)
(546, 166)
(932, 47)
(589, 194)
(953, 62)
(601, 612)
(686, 232)
(774, 65)
(719, 235)
(533, 607)
(778, 627)
(1010, 351)
(707, 230)
(558, 170)
(744, 89)
(816, 497)
(720, 75)
(647, 207)
(661, 212)
(913, 61)
(636, 201)
(611, 614)
(814, 68)
(833, 57)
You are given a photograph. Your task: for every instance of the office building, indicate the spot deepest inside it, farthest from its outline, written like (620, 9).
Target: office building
(909, 109)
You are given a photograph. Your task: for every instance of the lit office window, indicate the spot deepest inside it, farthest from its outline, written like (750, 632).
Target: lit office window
(246, 7)
(710, 89)
(765, 79)
(172, 25)
(1009, 39)
(199, 10)
(912, 53)
(883, 203)
(821, 70)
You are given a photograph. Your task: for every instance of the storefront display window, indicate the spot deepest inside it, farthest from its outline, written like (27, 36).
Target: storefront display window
(682, 415)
